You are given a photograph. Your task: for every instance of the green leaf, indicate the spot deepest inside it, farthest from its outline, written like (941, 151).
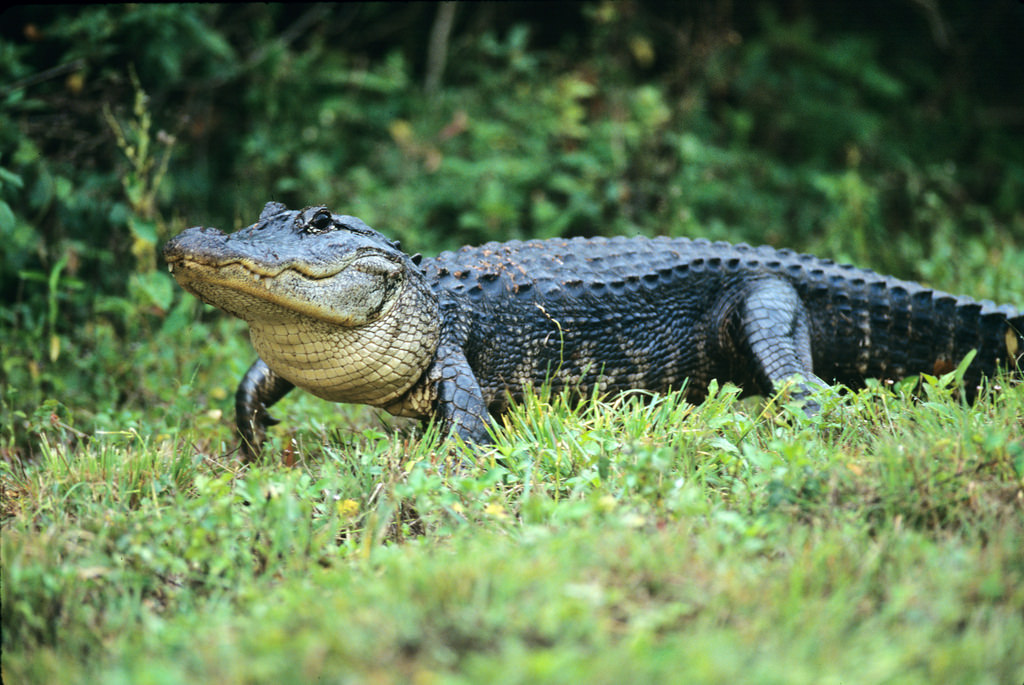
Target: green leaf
(11, 178)
(153, 288)
(6, 217)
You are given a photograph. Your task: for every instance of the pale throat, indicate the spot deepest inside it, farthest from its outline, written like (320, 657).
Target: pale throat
(373, 364)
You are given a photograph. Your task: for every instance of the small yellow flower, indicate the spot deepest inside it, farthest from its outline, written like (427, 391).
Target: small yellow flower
(347, 508)
(496, 510)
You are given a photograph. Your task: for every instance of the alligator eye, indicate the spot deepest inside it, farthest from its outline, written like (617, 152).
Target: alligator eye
(321, 221)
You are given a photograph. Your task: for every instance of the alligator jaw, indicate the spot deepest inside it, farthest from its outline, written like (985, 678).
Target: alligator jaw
(360, 290)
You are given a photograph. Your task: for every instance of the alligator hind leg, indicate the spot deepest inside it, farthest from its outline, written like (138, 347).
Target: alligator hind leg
(259, 389)
(772, 326)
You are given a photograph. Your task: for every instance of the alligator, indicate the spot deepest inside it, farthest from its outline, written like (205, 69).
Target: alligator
(339, 310)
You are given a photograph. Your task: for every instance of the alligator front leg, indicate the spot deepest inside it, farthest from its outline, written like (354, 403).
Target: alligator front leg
(258, 390)
(460, 401)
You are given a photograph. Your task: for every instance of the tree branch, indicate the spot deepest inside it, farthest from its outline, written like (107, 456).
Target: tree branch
(437, 52)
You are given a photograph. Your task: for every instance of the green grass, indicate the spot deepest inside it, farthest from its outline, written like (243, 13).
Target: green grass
(632, 539)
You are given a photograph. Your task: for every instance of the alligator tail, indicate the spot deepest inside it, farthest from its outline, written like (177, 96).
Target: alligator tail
(941, 330)
(882, 327)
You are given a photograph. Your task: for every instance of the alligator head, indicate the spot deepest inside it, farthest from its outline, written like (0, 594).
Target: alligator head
(311, 262)
(332, 305)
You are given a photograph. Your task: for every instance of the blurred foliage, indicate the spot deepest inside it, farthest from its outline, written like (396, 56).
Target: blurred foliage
(894, 143)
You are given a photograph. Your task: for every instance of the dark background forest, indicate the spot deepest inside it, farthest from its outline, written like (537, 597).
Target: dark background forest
(887, 133)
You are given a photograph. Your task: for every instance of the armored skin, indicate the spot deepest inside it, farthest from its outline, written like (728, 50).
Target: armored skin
(337, 309)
